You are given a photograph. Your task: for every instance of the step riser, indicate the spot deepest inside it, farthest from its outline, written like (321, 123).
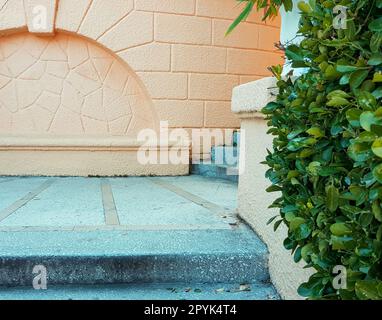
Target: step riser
(112, 270)
(211, 170)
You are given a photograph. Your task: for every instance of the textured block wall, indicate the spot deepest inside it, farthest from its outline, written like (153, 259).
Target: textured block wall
(177, 48)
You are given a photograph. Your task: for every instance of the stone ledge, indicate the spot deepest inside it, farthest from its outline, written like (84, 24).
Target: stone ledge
(84, 142)
(86, 156)
(248, 99)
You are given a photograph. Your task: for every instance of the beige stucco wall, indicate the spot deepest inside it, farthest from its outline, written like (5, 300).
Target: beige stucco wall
(253, 200)
(177, 48)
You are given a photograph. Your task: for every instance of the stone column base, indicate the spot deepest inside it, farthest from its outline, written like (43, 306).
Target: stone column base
(253, 200)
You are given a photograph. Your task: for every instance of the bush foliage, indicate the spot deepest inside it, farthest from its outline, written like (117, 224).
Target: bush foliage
(327, 157)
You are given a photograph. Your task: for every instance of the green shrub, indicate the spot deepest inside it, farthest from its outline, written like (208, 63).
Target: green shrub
(327, 157)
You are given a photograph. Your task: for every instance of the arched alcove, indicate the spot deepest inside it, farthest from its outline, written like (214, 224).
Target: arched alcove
(68, 85)
(70, 106)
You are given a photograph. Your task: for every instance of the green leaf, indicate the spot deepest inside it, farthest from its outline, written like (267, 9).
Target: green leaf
(276, 225)
(377, 93)
(352, 115)
(377, 77)
(345, 79)
(375, 59)
(365, 219)
(375, 42)
(328, 171)
(366, 100)
(377, 211)
(293, 53)
(306, 251)
(357, 77)
(340, 229)
(312, 288)
(270, 108)
(337, 102)
(316, 132)
(288, 5)
(338, 93)
(368, 118)
(367, 290)
(243, 15)
(345, 69)
(376, 25)
(304, 7)
(379, 233)
(303, 231)
(273, 188)
(359, 151)
(359, 194)
(297, 255)
(350, 30)
(331, 73)
(342, 243)
(376, 147)
(296, 222)
(332, 198)
(272, 219)
(366, 136)
(377, 173)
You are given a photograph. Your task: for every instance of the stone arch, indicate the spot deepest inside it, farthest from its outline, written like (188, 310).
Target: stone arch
(79, 136)
(74, 44)
(67, 84)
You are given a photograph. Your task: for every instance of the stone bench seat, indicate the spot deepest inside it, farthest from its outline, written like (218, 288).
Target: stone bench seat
(82, 156)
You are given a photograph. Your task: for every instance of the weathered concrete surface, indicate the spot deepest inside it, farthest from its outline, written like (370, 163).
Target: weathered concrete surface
(126, 230)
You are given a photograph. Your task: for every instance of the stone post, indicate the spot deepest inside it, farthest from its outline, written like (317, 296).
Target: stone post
(253, 201)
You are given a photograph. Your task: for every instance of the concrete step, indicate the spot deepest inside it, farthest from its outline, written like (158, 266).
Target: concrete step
(162, 291)
(117, 257)
(212, 170)
(225, 155)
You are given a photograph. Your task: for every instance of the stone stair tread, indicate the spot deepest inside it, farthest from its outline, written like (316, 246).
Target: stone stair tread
(94, 243)
(161, 291)
(134, 256)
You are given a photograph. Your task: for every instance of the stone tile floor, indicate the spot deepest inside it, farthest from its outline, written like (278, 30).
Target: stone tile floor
(188, 221)
(147, 203)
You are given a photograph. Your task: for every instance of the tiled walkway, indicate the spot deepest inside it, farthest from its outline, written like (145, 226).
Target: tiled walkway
(133, 203)
(128, 238)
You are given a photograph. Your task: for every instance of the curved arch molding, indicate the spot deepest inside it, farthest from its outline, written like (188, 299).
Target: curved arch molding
(69, 102)
(68, 85)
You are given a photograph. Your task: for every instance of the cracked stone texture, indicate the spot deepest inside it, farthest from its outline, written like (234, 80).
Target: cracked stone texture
(178, 48)
(68, 85)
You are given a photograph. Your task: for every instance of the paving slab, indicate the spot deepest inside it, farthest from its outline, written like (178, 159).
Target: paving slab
(12, 189)
(143, 202)
(67, 201)
(73, 202)
(218, 191)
